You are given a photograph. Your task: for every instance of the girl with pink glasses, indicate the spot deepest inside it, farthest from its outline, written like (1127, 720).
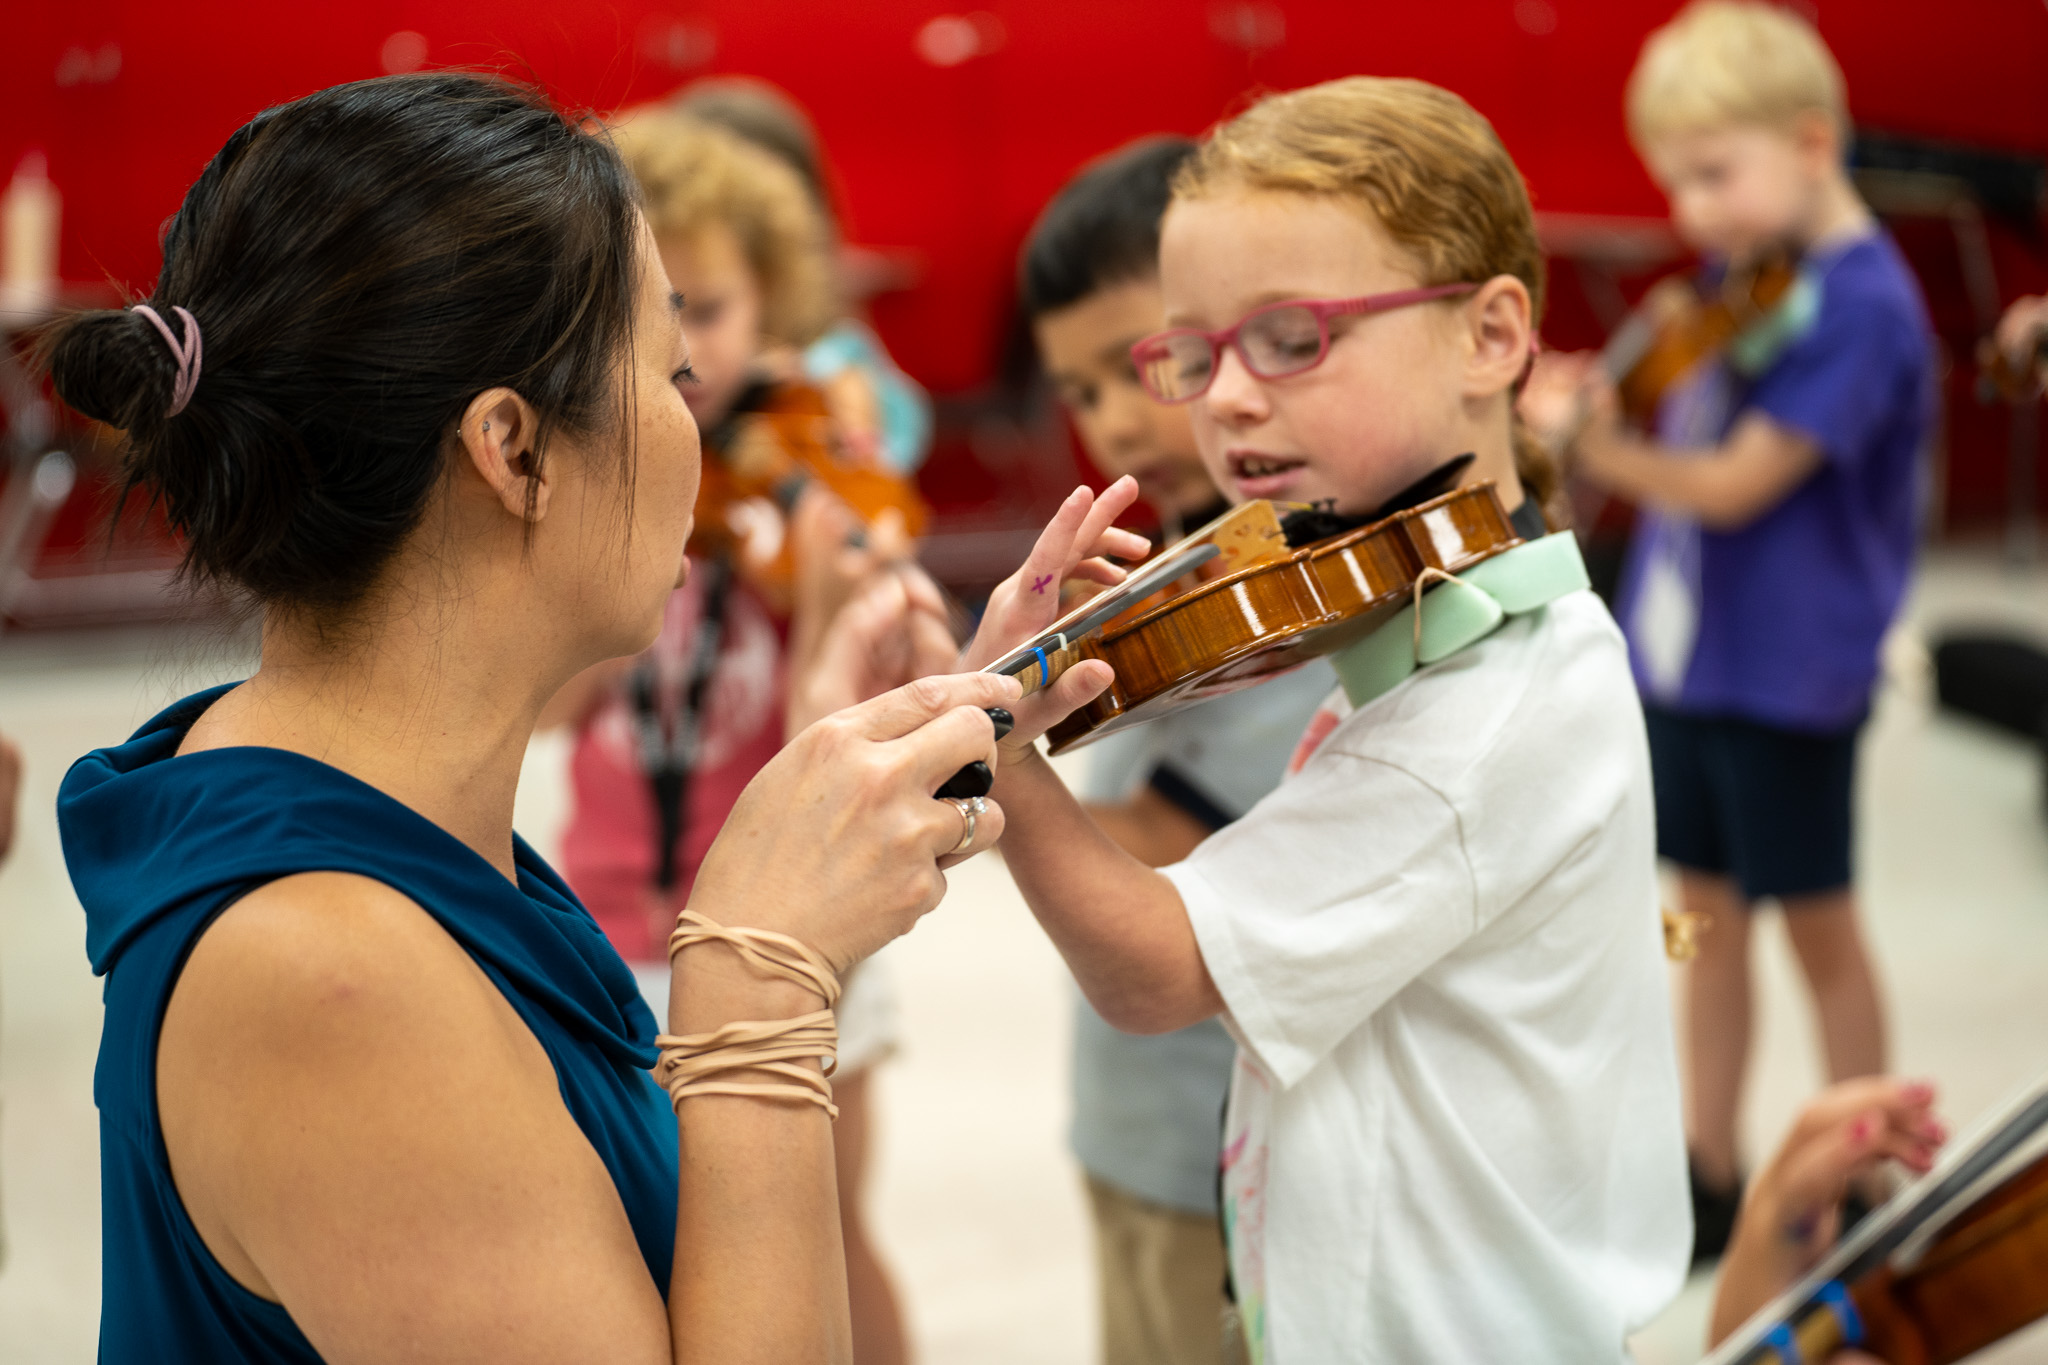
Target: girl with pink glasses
(1453, 1131)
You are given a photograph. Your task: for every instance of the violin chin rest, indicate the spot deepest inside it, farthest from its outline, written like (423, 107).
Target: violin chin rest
(1454, 614)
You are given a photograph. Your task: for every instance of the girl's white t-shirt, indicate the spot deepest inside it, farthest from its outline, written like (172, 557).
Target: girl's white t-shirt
(1454, 1130)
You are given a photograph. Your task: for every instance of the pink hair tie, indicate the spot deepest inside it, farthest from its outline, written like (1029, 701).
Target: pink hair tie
(186, 353)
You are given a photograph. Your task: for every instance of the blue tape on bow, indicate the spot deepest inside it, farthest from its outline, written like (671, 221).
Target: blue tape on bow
(1846, 1317)
(1781, 1340)
(1044, 668)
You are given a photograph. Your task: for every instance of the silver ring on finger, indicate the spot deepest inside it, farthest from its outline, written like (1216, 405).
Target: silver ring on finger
(971, 808)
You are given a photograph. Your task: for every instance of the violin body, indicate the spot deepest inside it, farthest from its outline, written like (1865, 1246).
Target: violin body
(1679, 323)
(1267, 618)
(1983, 1279)
(760, 460)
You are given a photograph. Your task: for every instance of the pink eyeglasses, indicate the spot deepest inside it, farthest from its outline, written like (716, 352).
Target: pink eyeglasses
(1280, 339)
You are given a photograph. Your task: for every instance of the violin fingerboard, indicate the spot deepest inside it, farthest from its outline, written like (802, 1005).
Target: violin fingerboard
(1035, 677)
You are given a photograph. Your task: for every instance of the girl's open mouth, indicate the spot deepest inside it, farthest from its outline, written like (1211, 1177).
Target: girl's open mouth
(1258, 475)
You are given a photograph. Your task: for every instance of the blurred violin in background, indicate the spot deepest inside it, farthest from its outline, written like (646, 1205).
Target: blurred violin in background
(1748, 312)
(778, 441)
(1684, 319)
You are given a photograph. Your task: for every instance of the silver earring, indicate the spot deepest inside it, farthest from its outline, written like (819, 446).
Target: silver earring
(487, 426)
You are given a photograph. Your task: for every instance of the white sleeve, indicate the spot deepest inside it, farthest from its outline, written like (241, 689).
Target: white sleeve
(1324, 901)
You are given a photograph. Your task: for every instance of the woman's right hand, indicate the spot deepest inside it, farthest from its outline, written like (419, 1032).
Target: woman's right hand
(839, 841)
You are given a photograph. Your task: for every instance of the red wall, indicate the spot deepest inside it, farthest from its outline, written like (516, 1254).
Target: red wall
(949, 163)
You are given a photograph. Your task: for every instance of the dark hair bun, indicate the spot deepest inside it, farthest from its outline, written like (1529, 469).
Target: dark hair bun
(362, 263)
(111, 366)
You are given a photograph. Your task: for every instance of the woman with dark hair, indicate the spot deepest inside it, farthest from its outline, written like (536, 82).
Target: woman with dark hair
(372, 1085)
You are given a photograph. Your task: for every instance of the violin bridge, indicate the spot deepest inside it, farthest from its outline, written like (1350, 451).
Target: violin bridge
(1247, 534)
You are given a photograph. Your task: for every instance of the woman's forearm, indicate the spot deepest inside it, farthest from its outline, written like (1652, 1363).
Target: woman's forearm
(1120, 925)
(760, 1274)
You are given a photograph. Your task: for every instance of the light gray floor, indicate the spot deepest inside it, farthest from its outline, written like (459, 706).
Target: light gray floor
(974, 1196)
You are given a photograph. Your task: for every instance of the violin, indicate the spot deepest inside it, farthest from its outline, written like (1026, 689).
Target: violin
(1682, 320)
(1950, 1266)
(778, 441)
(1290, 595)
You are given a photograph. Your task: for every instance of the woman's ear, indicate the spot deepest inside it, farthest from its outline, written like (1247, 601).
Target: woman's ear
(498, 434)
(1499, 336)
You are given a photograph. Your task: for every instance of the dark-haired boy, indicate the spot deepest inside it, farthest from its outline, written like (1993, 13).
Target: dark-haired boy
(1148, 1111)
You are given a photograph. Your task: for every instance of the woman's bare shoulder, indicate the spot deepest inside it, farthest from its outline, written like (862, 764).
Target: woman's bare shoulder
(340, 976)
(346, 1097)
(334, 959)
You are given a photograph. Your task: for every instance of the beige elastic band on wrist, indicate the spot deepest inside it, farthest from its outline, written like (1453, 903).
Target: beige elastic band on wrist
(701, 1063)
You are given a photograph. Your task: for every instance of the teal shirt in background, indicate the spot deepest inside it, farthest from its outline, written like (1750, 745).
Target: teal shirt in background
(1148, 1111)
(904, 408)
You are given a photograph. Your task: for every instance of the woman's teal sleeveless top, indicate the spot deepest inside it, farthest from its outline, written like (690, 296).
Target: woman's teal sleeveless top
(158, 845)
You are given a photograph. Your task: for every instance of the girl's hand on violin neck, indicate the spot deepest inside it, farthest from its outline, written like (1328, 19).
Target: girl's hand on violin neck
(861, 597)
(1598, 434)
(2021, 328)
(1072, 546)
(832, 555)
(838, 840)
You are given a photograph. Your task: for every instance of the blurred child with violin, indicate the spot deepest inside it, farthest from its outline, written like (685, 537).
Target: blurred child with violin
(881, 413)
(665, 742)
(1453, 1130)
(1780, 499)
(1148, 1111)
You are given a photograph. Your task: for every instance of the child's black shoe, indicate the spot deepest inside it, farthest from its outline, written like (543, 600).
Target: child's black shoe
(1713, 1216)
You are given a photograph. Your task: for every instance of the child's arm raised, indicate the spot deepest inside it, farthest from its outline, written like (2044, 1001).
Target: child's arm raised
(1726, 488)
(1120, 925)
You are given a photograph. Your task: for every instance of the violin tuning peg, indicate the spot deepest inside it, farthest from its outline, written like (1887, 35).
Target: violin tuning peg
(1002, 720)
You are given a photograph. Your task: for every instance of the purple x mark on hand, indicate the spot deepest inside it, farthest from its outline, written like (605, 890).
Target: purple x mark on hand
(1042, 584)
